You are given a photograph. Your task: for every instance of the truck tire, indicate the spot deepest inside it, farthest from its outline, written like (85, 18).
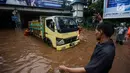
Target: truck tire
(49, 43)
(46, 40)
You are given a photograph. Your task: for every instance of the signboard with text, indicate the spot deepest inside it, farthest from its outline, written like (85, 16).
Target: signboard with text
(35, 3)
(116, 9)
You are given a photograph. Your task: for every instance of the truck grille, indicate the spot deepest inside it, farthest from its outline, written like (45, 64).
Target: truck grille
(70, 40)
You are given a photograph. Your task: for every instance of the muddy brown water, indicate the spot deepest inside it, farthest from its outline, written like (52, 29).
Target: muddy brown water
(19, 54)
(27, 54)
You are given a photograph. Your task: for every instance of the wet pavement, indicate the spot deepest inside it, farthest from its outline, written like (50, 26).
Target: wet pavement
(28, 54)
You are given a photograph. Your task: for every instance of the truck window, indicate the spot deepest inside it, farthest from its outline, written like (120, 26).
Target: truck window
(50, 24)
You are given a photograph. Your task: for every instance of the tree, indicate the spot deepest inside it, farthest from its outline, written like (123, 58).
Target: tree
(94, 7)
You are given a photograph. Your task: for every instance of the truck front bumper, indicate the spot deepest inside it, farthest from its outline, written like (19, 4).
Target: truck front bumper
(66, 46)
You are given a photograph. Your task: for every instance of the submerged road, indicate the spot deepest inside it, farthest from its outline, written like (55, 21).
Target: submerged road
(26, 54)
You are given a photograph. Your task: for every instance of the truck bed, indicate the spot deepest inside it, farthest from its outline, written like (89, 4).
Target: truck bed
(36, 29)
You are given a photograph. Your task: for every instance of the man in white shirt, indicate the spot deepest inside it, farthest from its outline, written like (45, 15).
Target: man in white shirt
(120, 34)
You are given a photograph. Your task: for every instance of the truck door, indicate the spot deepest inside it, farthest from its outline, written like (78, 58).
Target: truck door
(50, 31)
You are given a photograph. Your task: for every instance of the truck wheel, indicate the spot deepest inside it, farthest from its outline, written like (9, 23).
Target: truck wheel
(46, 40)
(49, 43)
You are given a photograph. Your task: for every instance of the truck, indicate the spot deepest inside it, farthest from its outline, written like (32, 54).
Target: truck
(59, 32)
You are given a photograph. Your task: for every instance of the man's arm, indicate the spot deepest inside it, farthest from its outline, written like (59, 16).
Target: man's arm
(73, 70)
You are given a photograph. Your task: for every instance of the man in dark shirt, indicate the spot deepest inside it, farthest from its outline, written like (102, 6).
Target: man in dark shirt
(103, 55)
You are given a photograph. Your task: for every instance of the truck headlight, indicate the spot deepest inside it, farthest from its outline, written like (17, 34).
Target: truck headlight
(60, 41)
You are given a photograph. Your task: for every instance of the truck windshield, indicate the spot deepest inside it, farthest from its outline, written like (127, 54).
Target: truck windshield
(67, 24)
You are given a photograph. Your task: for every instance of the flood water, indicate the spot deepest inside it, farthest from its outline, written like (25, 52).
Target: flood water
(27, 54)
(19, 54)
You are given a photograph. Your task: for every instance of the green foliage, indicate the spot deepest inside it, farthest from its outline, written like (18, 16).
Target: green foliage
(97, 6)
(94, 7)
